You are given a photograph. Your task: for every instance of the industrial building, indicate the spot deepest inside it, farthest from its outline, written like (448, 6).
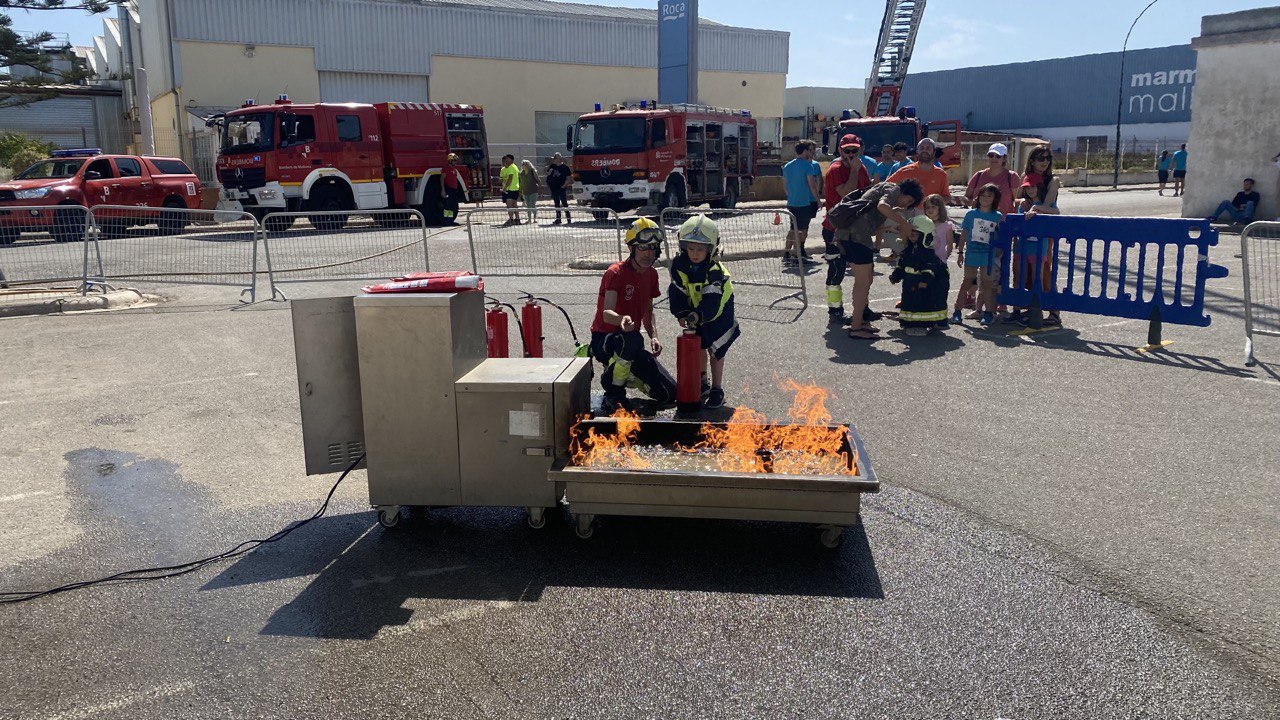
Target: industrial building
(533, 65)
(1067, 100)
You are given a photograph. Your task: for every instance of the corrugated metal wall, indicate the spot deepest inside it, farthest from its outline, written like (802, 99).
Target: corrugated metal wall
(372, 87)
(67, 122)
(1063, 92)
(393, 37)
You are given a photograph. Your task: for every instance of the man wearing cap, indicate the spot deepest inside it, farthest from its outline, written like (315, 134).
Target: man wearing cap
(558, 176)
(996, 173)
(840, 181)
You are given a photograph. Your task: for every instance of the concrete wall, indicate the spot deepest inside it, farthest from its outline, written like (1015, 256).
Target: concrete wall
(1235, 113)
(512, 91)
(224, 74)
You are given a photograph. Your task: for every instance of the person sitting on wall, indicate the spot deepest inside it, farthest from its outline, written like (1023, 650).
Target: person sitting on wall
(1241, 207)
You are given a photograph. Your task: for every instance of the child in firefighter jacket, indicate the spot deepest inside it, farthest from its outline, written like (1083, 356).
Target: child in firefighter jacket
(701, 295)
(924, 279)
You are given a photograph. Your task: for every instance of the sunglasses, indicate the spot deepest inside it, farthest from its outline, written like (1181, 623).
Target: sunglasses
(848, 152)
(1041, 158)
(993, 156)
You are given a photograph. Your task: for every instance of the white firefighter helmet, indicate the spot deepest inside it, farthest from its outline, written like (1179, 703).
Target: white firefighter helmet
(702, 230)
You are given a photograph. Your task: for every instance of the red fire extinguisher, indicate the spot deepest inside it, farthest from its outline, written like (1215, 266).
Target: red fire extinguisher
(531, 326)
(495, 328)
(689, 366)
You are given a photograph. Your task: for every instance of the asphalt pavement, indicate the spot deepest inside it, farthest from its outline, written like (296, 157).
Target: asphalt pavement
(1069, 528)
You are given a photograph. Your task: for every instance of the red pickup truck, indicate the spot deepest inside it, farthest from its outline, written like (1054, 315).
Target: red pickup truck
(89, 178)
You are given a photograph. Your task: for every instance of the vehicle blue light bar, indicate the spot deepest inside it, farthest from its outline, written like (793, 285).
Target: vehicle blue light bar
(76, 152)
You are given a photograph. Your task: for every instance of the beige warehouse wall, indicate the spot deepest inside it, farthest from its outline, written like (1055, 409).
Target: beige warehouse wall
(1235, 127)
(511, 91)
(225, 73)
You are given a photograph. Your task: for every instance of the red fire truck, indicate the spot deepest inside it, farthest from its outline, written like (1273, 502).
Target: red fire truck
(659, 156)
(346, 157)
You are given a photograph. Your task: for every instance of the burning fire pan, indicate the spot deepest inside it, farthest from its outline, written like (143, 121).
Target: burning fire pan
(831, 501)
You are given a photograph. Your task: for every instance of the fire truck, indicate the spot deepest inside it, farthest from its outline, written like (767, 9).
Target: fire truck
(346, 157)
(659, 156)
(884, 122)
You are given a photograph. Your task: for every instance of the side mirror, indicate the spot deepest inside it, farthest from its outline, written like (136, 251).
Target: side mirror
(92, 175)
(568, 137)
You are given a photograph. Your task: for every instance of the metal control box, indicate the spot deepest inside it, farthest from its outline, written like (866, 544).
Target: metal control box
(514, 417)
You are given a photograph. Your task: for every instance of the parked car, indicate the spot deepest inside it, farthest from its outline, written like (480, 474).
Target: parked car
(88, 178)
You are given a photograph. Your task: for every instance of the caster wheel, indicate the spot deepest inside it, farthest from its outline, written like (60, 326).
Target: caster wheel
(536, 518)
(831, 537)
(389, 518)
(585, 527)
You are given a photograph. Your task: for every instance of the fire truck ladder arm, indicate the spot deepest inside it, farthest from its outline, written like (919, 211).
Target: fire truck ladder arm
(898, 32)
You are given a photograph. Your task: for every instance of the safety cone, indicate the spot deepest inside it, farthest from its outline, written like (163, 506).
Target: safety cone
(777, 218)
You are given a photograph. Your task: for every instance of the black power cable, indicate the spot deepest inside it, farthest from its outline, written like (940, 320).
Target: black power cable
(168, 571)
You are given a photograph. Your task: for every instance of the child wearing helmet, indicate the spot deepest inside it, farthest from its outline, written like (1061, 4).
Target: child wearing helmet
(924, 280)
(624, 306)
(701, 295)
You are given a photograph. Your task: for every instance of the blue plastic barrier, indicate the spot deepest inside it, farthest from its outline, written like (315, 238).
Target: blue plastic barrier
(1117, 267)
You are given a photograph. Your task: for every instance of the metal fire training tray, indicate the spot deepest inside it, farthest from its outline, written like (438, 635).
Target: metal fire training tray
(832, 500)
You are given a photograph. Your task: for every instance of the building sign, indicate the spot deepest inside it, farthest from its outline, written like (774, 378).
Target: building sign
(1154, 96)
(677, 51)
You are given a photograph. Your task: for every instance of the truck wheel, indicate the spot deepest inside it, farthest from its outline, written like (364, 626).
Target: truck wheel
(68, 225)
(673, 196)
(328, 199)
(112, 229)
(730, 199)
(600, 215)
(394, 220)
(9, 234)
(173, 220)
(432, 207)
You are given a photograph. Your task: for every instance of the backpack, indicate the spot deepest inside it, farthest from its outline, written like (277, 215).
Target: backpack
(850, 208)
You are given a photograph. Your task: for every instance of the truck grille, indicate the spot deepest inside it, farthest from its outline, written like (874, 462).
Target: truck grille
(248, 178)
(616, 176)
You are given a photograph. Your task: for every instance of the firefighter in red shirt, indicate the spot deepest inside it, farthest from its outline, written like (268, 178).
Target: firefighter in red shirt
(625, 305)
(845, 175)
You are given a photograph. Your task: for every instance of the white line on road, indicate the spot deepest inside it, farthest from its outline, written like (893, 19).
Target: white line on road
(123, 701)
(23, 496)
(446, 618)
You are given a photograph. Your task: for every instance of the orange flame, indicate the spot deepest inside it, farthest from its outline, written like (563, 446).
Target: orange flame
(616, 450)
(749, 443)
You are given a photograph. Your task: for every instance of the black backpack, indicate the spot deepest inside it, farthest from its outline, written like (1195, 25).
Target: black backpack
(853, 206)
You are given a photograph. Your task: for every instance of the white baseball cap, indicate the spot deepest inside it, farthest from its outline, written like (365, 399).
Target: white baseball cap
(999, 149)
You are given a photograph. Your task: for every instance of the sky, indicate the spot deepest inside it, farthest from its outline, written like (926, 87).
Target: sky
(832, 43)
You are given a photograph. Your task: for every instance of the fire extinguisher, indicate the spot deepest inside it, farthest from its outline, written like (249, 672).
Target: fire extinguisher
(531, 326)
(495, 328)
(689, 366)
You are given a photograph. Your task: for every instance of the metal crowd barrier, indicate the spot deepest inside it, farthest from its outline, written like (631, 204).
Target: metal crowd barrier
(53, 249)
(586, 246)
(751, 245)
(172, 246)
(327, 246)
(1150, 269)
(1260, 258)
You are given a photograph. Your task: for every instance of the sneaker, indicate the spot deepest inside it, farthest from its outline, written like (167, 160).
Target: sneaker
(1015, 317)
(610, 405)
(988, 319)
(837, 317)
(788, 259)
(973, 315)
(914, 331)
(808, 260)
(870, 315)
(556, 221)
(955, 318)
(715, 398)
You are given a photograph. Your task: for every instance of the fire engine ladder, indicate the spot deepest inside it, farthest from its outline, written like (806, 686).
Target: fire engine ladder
(893, 55)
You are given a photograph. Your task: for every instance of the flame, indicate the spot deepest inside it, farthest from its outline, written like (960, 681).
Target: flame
(749, 443)
(616, 450)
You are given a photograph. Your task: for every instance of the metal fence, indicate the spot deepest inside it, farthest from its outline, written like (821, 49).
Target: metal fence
(540, 248)
(1260, 257)
(328, 246)
(51, 251)
(751, 245)
(172, 247)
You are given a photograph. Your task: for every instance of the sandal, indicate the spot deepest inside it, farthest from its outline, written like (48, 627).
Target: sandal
(865, 332)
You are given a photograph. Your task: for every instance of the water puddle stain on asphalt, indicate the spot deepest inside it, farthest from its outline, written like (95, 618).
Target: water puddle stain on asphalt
(117, 492)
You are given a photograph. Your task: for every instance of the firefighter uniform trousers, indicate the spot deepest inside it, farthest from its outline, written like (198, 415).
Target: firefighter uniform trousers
(628, 364)
(837, 266)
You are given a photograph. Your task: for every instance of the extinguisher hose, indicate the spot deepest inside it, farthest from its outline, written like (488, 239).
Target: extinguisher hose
(519, 327)
(572, 333)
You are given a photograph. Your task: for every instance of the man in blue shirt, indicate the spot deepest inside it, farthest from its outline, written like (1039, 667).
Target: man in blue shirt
(1180, 170)
(802, 178)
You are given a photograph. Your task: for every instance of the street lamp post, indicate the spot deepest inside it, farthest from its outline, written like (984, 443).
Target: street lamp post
(1115, 175)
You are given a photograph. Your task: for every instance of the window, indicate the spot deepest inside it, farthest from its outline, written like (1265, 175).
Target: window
(128, 167)
(169, 167)
(658, 132)
(102, 167)
(349, 128)
(297, 129)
